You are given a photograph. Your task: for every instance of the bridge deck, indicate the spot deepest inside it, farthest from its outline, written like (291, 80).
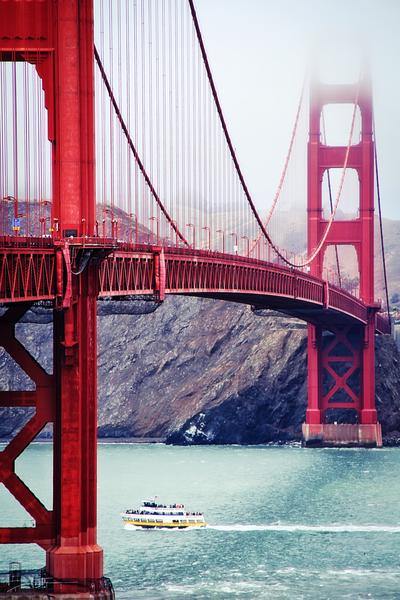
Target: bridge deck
(36, 270)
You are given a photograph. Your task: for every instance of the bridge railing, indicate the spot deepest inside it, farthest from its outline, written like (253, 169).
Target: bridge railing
(202, 270)
(27, 273)
(345, 302)
(383, 324)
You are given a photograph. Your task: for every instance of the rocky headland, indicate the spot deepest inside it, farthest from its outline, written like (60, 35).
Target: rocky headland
(197, 372)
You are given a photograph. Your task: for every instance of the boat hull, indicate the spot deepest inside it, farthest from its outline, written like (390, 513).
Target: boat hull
(153, 515)
(152, 525)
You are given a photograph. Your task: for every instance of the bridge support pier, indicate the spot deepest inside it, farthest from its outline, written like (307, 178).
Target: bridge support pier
(75, 554)
(342, 435)
(341, 381)
(68, 399)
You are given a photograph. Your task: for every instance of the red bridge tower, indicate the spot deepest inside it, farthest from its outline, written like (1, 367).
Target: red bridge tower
(341, 361)
(57, 37)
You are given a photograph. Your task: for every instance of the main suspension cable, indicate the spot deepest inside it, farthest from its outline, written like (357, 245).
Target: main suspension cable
(237, 166)
(328, 173)
(285, 166)
(322, 241)
(224, 127)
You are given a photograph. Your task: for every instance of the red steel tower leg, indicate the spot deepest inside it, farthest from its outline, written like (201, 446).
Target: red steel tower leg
(76, 554)
(57, 36)
(341, 363)
(42, 400)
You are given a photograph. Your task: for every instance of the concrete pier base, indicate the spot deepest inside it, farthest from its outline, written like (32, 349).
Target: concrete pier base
(342, 435)
(19, 584)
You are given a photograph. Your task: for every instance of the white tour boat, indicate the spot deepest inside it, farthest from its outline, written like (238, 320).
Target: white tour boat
(153, 515)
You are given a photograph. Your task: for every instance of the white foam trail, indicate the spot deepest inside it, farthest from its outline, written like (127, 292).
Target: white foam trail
(288, 528)
(129, 527)
(310, 528)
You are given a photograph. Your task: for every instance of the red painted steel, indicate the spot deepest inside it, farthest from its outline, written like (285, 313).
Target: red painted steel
(75, 553)
(358, 233)
(58, 38)
(27, 274)
(43, 533)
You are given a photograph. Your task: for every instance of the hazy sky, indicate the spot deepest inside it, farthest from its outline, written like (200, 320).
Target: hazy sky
(259, 50)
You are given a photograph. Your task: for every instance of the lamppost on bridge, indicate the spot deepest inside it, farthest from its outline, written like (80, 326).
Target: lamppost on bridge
(156, 219)
(256, 246)
(16, 226)
(206, 228)
(56, 226)
(106, 211)
(43, 217)
(3, 217)
(235, 247)
(42, 223)
(223, 239)
(133, 225)
(114, 223)
(245, 237)
(175, 224)
(268, 253)
(114, 229)
(194, 233)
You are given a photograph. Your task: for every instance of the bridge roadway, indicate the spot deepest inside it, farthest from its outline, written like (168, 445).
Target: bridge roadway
(42, 269)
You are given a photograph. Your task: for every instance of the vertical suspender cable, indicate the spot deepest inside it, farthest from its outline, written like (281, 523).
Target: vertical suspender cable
(15, 132)
(381, 225)
(223, 123)
(3, 160)
(150, 187)
(135, 115)
(130, 233)
(183, 199)
(118, 140)
(150, 223)
(164, 108)
(170, 111)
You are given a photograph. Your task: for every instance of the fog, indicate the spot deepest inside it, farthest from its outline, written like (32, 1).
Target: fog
(259, 51)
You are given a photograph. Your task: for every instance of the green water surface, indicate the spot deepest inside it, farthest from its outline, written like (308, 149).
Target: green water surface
(284, 522)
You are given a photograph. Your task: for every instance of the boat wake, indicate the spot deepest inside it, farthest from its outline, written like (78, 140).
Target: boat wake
(277, 527)
(341, 528)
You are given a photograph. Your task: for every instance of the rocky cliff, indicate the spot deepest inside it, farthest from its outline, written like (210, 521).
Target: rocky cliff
(197, 371)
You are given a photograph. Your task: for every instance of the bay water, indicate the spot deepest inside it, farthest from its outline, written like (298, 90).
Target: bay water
(283, 522)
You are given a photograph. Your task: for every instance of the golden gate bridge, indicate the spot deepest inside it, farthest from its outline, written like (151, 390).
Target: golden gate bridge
(119, 179)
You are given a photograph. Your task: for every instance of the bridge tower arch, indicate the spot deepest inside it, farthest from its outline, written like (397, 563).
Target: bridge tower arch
(341, 361)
